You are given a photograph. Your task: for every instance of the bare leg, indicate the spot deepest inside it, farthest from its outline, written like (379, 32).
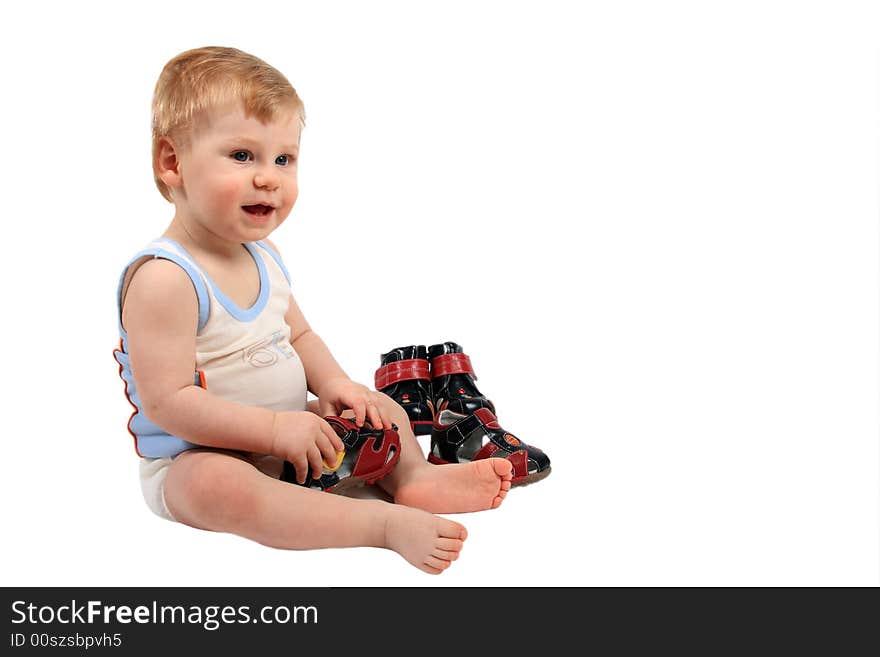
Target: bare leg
(219, 492)
(456, 488)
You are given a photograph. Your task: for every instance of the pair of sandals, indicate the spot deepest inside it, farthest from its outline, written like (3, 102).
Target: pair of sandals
(436, 387)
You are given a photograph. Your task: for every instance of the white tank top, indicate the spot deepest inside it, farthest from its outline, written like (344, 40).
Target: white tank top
(242, 354)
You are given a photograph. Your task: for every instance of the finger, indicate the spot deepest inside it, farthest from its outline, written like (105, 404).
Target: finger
(360, 412)
(301, 465)
(386, 417)
(314, 456)
(382, 409)
(332, 436)
(328, 453)
(375, 417)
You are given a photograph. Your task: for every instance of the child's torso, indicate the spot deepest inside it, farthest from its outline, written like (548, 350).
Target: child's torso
(243, 350)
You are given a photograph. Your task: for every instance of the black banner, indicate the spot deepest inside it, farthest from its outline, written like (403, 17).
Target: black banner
(401, 620)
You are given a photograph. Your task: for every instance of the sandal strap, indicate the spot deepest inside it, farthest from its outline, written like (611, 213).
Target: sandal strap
(345, 429)
(520, 462)
(351, 435)
(457, 433)
(372, 444)
(483, 420)
(412, 369)
(486, 451)
(451, 364)
(501, 444)
(375, 450)
(372, 455)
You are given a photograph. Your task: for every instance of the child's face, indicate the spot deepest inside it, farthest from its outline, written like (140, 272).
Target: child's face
(238, 176)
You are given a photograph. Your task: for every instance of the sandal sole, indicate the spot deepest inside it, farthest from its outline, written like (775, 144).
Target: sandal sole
(531, 478)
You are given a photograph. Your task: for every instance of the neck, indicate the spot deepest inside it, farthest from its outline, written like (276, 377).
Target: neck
(193, 237)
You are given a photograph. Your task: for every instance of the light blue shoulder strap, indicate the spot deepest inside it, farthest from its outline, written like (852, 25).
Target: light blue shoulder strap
(275, 256)
(194, 276)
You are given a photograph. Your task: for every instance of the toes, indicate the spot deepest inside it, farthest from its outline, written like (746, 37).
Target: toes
(449, 544)
(450, 529)
(499, 498)
(494, 468)
(430, 570)
(438, 564)
(445, 555)
(505, 485)
(503, 468)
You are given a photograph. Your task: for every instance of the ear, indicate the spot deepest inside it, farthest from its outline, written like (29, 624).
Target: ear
(168, 163)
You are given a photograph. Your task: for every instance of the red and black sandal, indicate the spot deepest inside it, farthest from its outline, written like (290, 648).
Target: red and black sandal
(370, 454)
(465, 426)
(405, 376)
(458, 438)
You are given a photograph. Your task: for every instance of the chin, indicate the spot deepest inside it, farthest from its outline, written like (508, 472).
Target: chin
(257, 232)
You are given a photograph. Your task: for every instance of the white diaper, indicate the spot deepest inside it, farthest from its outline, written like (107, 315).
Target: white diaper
(154, 471)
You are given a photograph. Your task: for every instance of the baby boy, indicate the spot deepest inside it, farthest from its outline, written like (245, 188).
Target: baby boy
(218, 358)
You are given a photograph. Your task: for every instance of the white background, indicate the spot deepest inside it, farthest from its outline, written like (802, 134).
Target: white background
(653, 227)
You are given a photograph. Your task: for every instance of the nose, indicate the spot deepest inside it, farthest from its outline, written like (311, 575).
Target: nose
(267, 178)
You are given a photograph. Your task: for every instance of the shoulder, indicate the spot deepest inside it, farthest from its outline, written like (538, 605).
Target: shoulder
(160, 288)
(161, 276)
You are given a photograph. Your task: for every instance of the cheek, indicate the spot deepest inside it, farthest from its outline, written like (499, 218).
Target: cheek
(291, 193)
(224, 192)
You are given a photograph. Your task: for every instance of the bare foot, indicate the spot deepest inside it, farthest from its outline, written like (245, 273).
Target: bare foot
(457, 487)
(427, 542)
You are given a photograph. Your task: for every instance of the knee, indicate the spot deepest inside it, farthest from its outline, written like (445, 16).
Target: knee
(208, 491)
(393, 409)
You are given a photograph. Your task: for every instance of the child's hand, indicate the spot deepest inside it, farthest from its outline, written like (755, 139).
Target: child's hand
(305, 440)
(337, 395)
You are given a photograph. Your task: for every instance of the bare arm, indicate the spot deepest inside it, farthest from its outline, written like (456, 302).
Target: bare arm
(326, 379)
(160, 314)
(319, 364)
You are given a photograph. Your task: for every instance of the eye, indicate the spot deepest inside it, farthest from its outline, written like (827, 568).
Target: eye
(284, 160)
(241, 156)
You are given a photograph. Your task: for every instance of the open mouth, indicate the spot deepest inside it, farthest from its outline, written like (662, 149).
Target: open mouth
(258, 210)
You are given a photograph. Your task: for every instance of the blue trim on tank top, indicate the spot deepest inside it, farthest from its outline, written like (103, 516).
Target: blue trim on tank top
(241, 314)
(198, 283)
(276, 257)
(152, 441)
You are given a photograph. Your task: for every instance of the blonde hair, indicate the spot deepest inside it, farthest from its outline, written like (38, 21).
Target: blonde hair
(198, 80)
